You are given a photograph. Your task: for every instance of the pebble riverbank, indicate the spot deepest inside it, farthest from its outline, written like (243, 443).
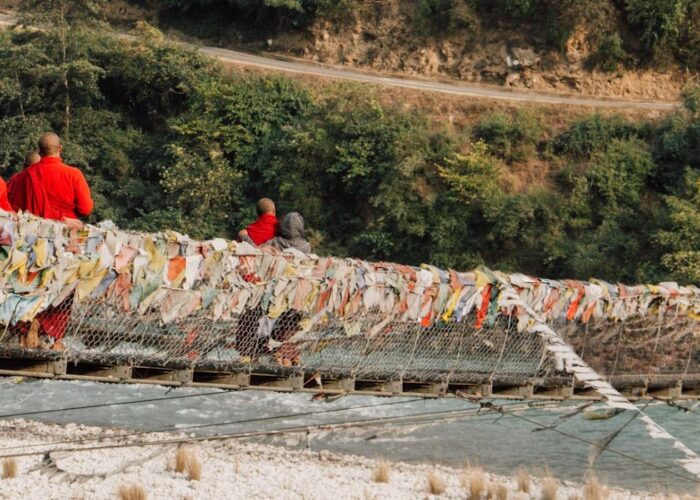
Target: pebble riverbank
(230, 469)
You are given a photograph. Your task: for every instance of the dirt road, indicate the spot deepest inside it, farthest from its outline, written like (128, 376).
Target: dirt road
(484, 92)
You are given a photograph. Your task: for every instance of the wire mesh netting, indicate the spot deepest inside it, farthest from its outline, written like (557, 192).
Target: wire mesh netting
(450, 351)
(363, 347)
(652, 346)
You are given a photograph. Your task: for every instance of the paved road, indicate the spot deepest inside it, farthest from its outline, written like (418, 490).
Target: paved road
(246, 59)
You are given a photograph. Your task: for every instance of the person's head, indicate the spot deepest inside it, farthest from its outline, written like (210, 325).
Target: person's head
(292, 226)
(265, 206)
(50, 145)
(31, 158)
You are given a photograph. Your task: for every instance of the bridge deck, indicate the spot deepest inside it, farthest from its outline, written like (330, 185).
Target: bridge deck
(39, 363)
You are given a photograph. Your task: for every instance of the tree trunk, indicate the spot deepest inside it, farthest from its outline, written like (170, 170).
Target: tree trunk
(21, 104)
(66, 87)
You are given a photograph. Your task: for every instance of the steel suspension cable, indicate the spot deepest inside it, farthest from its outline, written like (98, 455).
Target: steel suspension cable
(597, 445)
(241, 435)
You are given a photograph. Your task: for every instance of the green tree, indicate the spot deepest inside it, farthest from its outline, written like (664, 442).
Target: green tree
(609, 53)
(682, 238)
(606, 202)
(677, 145)
(512, 137)
(473, 178)
(593, 134)
(661, 22)
(64, 22)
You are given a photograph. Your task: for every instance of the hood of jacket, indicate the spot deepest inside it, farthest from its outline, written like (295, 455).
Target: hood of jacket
(292, 226)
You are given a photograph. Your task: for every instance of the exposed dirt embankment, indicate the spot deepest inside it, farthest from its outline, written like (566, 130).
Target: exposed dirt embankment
(387, 42)
(386, 37)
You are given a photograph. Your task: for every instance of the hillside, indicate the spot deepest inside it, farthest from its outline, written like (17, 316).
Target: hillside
(170, 140)
(632, 48)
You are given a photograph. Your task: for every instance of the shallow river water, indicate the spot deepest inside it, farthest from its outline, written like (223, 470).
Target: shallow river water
(499, 444)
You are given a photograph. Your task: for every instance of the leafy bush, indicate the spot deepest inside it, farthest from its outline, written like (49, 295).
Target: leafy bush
(520, 8)
(440, 18)
(682, 238)
(660, 23)
(617, 175)
(275, 14)
(609, 54)
(512, 137)
(473, 178)
(593, 134)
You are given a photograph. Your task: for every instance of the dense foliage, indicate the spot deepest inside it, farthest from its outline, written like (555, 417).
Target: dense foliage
(167, 141)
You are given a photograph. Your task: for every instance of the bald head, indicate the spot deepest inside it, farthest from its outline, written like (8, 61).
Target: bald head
(49, 145)
(31, 158)
(265, 206)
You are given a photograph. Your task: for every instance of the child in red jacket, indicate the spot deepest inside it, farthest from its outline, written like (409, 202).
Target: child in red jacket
(266, 225)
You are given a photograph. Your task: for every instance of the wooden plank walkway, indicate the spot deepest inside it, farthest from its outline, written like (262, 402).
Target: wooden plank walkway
(51, 365)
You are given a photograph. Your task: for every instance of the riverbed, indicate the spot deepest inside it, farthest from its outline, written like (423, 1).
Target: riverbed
(498, 443)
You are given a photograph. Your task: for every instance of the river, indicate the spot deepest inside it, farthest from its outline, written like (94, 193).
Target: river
(498, 443)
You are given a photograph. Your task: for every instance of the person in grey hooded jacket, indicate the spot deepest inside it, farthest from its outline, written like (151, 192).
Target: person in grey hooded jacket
(291, 234)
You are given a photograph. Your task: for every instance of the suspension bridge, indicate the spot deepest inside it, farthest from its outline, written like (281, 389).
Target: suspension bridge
(166, 309)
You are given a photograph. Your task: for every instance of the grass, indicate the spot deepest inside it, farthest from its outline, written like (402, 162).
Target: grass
(186, 461)
(549, 488)
(477, 484)
(522, 478)
(181, 458)
(436, 486)
(131, 492)
(382, 472)
(9, 468)
(194, 468)
(497, 491)
(593, 489)
(474, 480)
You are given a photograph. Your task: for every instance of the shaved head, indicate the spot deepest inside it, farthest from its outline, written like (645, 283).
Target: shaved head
(31, 158)
(265, 206)
(49, 145)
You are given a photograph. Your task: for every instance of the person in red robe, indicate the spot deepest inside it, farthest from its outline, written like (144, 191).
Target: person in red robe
(49, 188)
(31, 158)
(52, 190)
(4, 201)
(265, 226)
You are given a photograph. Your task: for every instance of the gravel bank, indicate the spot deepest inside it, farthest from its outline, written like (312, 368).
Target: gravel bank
(230, 469)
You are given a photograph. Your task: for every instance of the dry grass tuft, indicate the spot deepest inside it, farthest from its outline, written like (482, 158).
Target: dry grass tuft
(382, 473)
(497, 491)
(131, 492)
(9, 468)
(186, 461)
(181, 458)
(593, 489)
(194, 468)
(436, 486)
(549, 488)
(523, 479)
(477, 483)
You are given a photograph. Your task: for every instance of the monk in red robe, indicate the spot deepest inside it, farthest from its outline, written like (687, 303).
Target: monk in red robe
(49, 188)
(4, 201)
(31, 158)
(265, 226)
(52, 190)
